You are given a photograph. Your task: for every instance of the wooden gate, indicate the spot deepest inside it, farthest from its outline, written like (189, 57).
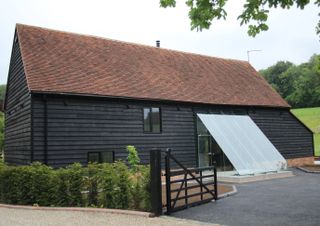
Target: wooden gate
(187, 187)
(184, 187)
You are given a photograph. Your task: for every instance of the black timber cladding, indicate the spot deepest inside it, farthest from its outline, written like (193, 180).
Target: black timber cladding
(287, 134)
(17, 112)
(78, 125)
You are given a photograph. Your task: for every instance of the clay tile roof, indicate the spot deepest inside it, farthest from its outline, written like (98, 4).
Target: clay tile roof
(62, 62)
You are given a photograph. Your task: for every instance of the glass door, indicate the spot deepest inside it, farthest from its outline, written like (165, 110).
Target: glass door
(204, 145)
(204, 150)
(220, 159)
(209, 152)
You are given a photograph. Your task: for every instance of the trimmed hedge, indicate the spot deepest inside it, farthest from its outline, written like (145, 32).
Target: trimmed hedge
(97, 185)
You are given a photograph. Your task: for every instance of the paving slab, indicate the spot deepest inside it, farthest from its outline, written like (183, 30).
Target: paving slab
(232, 177)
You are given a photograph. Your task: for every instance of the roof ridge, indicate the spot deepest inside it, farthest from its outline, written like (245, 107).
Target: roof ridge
(132, 43)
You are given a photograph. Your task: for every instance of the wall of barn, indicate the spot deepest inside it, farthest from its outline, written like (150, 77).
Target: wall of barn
(78, 125)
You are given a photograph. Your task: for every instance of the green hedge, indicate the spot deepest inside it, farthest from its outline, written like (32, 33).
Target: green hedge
(97, 185)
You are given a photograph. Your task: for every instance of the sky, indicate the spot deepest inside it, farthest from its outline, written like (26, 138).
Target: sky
(291, 35)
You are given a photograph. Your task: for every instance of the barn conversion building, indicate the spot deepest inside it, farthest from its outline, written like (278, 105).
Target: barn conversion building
(78, 98)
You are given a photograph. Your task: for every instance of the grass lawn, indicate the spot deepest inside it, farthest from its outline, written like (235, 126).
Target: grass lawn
(311, 118)
(317, 144)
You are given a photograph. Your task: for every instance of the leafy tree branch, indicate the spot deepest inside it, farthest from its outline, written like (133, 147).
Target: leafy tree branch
(203, 12)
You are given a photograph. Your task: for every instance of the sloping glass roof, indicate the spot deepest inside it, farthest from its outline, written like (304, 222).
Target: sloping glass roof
(245, 145)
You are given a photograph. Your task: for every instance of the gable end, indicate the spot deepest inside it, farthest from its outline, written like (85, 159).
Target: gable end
(17, 111)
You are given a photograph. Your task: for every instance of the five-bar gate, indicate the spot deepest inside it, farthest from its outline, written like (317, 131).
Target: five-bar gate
(187, 187)
(183, 187)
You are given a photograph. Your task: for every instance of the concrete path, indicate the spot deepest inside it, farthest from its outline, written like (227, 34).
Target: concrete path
(27, 217)
(290, 201)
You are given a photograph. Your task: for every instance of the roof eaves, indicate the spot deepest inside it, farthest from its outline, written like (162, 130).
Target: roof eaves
(22, 55)
(148, 99)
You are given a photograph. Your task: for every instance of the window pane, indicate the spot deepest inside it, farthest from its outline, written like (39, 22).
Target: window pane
(93, 157)
(201, 129)
(107, 157)
(146, 119)
(156, 120)
(203, 150)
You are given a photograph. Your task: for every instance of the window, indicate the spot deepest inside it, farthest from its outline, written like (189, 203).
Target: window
(107, 157)
(151, 120)
(94, 157)
(101, 157)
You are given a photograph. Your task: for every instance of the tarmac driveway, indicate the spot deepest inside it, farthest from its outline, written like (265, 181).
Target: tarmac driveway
(289, 201)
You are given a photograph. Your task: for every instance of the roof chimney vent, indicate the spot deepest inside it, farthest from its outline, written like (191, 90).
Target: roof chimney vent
(158, 43)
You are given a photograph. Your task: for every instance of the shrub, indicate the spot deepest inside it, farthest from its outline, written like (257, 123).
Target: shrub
(101, 185)
(28, 185)
(121, 193)
(2, 164)
(2, 181)
(146, 185)
(63, 190)
(92, 180)
(42, 187)
(108, 184)
(140, 188)
(133, 158)
(10, 185)
(76, 184)
(136, 191)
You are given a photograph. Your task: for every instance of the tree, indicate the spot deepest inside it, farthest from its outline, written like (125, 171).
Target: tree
(1, 136)
(255, 14)
(305, 92)
(2, 92)
(275, 75)
(2, 96)
(307, 87)
(298, 84)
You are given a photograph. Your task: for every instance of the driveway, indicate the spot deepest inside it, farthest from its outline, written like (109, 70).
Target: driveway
(289, 201)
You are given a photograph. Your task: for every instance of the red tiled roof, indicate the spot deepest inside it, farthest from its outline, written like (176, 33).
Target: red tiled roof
(62, 62)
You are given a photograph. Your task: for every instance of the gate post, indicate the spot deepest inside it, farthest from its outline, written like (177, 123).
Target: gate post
(155, 181)
(168, 181)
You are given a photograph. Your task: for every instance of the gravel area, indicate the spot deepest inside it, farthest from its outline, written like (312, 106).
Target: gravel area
(25, 217)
